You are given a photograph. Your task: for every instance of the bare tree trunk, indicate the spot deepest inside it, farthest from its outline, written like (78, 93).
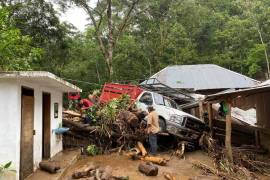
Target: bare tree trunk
(98, 76)
(107, 50)
(110, 39)
(228, 144)
(150, 67)
(265, 52)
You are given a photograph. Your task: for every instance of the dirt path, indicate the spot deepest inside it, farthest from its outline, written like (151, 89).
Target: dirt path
(182, 169)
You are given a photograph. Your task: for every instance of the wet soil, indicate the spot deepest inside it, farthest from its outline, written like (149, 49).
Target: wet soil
(122, 165)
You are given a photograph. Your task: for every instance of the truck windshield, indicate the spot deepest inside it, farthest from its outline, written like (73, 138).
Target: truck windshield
(161, 100)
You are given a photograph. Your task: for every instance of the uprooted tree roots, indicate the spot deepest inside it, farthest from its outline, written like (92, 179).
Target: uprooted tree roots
(246, 161)
(114, 126)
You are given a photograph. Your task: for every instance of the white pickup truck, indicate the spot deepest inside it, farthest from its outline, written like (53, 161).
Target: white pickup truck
(171, 118)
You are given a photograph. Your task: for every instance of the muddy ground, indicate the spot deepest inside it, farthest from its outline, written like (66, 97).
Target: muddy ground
(123, 166)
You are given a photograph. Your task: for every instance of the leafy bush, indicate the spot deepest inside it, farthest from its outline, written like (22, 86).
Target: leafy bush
(92, 150)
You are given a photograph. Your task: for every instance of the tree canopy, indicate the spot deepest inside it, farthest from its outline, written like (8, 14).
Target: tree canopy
(129, 40)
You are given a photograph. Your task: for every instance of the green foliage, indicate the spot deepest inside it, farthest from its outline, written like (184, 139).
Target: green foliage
(92, 150)
(16, 51)
(110, 111)
(158, 34)
(5, 167)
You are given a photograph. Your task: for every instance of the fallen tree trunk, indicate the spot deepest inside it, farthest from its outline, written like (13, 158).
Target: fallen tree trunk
(48, 166)
(72, 113)
(148, 169)
(79, 126)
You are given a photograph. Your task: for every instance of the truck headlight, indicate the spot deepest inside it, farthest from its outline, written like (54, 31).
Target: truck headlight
(176, 119)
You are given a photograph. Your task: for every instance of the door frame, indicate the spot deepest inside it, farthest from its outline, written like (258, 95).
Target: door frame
(46, 125)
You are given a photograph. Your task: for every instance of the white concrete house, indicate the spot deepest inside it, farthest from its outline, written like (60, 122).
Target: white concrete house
(30, 108)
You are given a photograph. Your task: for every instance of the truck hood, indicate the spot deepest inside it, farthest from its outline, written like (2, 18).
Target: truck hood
(172, 111)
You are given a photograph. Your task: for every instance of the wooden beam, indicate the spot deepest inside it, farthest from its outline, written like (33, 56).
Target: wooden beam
(210, 117)
(201, 109)
(228, 144)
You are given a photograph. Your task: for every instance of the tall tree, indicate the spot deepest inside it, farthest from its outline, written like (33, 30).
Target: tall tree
(16, 50)
(109, 19)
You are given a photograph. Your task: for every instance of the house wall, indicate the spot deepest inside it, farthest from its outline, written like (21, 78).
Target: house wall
(263, 117)
(10, 122)
(56, 140)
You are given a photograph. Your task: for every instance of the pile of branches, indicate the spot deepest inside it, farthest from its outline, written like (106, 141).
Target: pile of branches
(247, 161)
(115, 125)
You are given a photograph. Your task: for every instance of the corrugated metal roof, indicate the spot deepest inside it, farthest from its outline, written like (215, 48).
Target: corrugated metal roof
(202, 77)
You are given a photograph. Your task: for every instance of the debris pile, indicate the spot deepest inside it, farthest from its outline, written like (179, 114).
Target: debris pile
(93, 172)
(246, 161)
(112, 126)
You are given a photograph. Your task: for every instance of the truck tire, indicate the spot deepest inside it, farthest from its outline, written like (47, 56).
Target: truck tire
(162, 124)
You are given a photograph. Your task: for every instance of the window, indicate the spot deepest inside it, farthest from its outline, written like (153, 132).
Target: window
(55, 110)
(159, 99)
(170, 103)
(146, 98)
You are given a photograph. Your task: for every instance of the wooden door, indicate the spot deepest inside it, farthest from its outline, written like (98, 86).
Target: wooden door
(46, 132)
(27, 127)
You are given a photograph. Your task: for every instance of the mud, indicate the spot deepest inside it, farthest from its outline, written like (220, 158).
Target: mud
(182, 169)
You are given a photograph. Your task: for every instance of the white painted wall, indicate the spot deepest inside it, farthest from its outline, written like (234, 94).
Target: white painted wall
(10, 119)
(9, 123)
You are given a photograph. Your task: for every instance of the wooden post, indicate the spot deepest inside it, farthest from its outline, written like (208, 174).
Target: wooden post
(210, 117)
(228, 144)
(201, 109)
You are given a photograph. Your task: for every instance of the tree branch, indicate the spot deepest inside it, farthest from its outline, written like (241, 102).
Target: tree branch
(125, 21)
(89, 11)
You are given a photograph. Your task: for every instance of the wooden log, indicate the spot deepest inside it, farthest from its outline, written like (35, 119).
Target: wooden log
(210, 117)
(155, 160)
(141, 148)
(148, 169)
(72, 113)
(133, 155)
(83, 171)
(169, 176)
(49, 166)
(79, 126)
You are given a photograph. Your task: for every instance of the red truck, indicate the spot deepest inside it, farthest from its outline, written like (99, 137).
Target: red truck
(113, 90)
